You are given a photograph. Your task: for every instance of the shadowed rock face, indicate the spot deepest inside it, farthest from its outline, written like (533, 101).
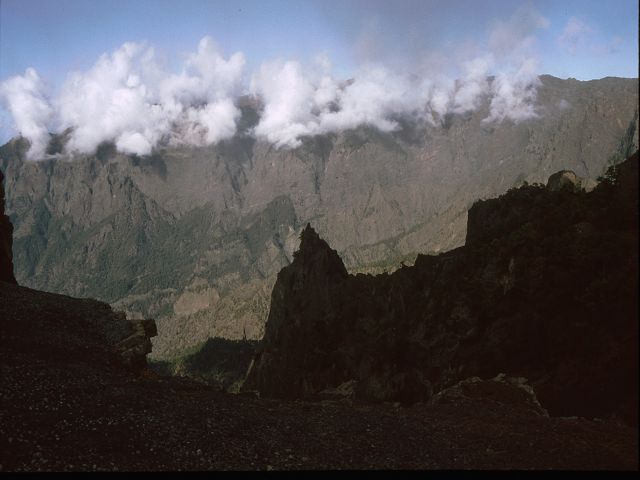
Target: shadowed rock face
(6, 236)
(68, 330)
(546, 289)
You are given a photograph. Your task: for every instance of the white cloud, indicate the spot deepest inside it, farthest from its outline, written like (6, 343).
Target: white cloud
(574, 35)
(374, 97)
(289, 99)
(133, 142)
(514, 94)
(25, 99)
(299, 102)
(127, 98)
(211, 123)
(112, 102)
(578, 37)
(474, 84)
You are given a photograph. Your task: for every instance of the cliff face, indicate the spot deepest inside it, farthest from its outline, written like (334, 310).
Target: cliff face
(6, 240)
(546, 288)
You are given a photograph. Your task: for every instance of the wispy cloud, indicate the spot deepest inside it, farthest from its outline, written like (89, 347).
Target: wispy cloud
(608, 48)
(578, 37)
(575, 35)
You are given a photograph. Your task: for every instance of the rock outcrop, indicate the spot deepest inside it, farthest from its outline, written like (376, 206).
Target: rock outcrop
(6, 240)
(569, 179)
(501, 389)
(134, 348)
(545, 288)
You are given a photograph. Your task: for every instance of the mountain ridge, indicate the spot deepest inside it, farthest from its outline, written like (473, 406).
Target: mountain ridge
(378, 198)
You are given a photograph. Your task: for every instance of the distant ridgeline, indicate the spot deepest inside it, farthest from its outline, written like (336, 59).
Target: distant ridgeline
(545, 288)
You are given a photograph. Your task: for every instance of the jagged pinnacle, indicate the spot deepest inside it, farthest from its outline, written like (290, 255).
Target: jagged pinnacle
(316, 251)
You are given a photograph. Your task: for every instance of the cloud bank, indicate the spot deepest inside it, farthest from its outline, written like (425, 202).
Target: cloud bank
(128, 98)
(26, 101)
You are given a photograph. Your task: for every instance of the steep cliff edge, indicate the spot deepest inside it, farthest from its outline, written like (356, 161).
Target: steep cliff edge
(6, 240)
(70, 329)
(545, 288)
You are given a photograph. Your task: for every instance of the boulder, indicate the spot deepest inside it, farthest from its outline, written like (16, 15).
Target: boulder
(513, 392)
(569, 180)
(134, 348)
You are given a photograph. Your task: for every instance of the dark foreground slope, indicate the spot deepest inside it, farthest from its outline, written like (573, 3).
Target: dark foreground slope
(67, 404)
(545, 288)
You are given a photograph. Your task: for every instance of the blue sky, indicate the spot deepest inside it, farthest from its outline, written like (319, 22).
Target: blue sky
(58, 36)
(584, 39)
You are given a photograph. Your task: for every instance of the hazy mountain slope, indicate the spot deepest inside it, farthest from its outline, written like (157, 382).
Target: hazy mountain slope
(205, 230)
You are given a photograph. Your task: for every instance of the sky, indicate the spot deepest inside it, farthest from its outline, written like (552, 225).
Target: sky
(192, 58)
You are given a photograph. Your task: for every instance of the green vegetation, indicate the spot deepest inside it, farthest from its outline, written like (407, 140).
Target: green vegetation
(389, 264)
(219, 362)
(627, 145)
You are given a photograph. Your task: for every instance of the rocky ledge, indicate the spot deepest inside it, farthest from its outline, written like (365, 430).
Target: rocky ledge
(71, 329)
